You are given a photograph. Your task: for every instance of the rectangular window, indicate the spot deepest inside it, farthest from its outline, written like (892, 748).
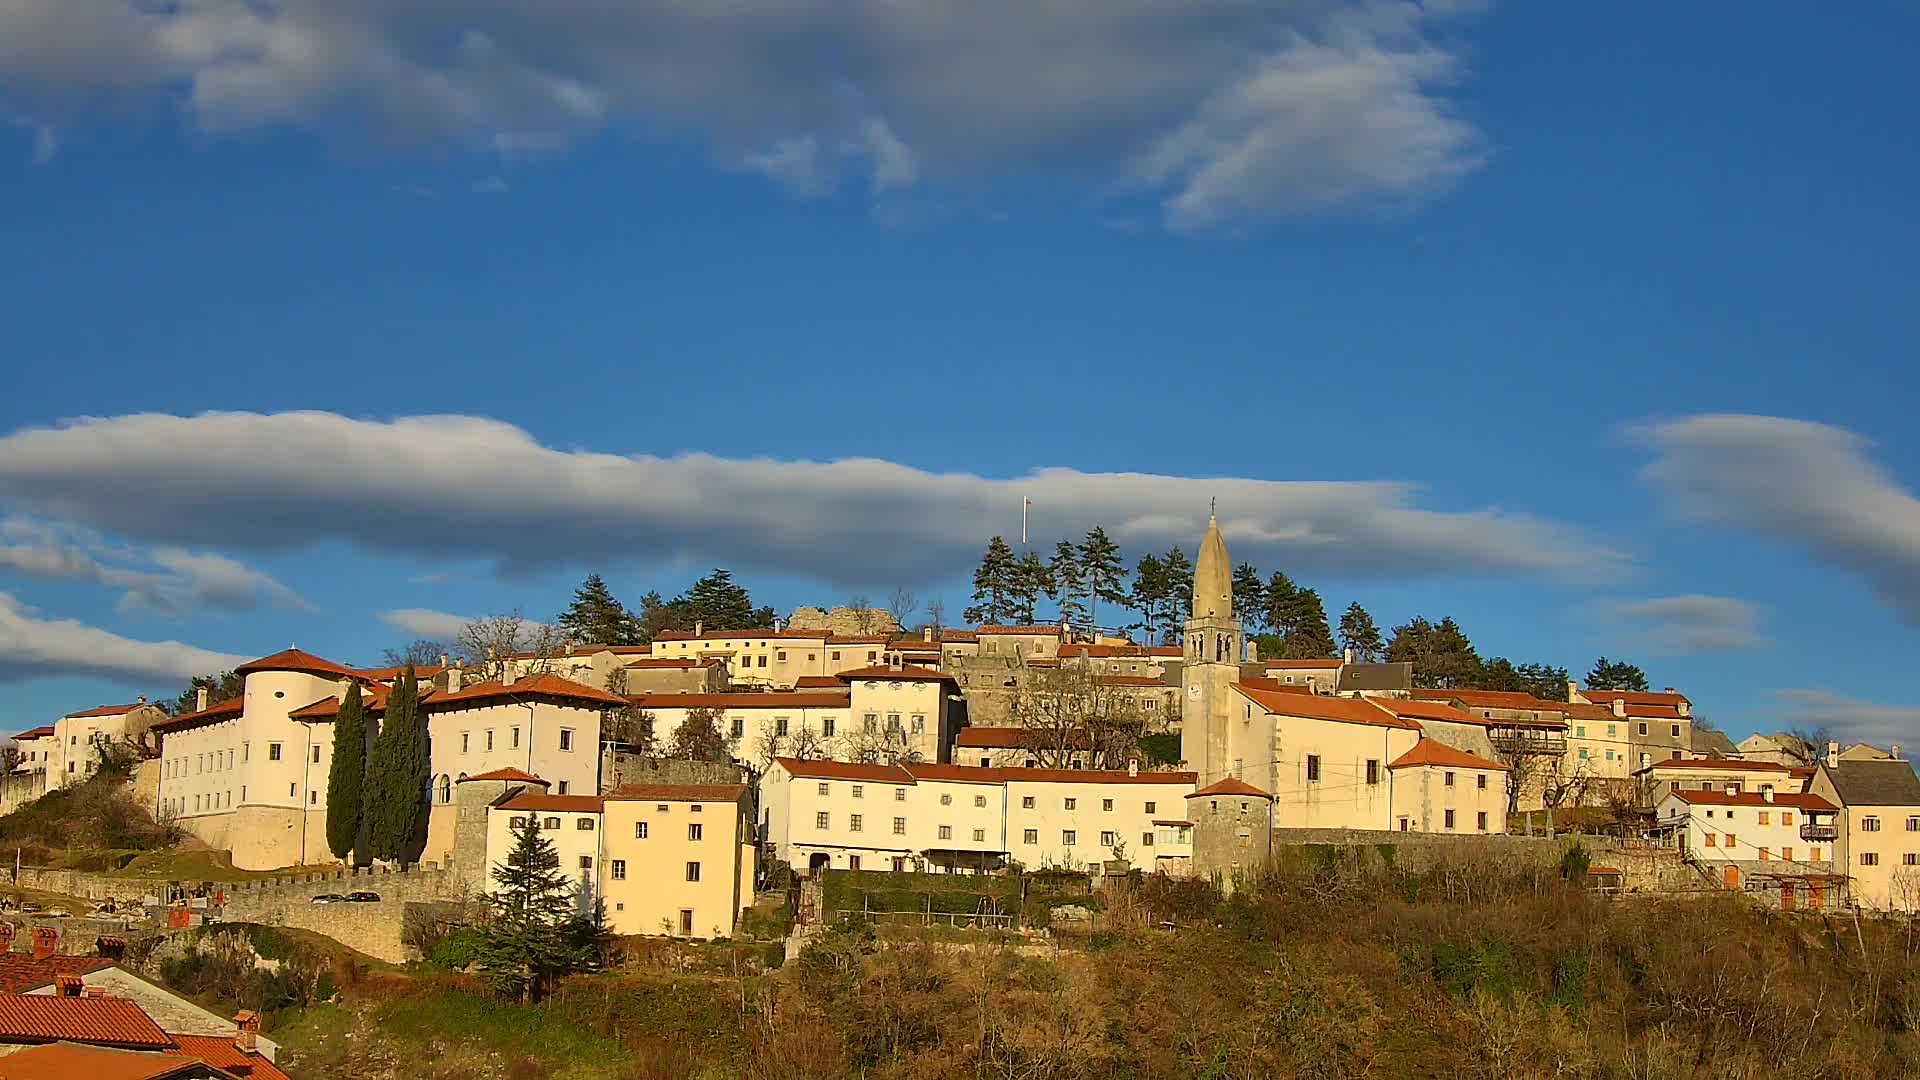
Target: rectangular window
(1146, 839)
(1766, 855)
(899, 826)
(853, 862)
(1481, 821)
(1913, 824)
(693, 871)
(836, 654)
(1910, 859)
(853, 822)
(1313, 768)
(1026, 802)
(763, 661)
(781, 656)
(1764, 817)
(693, 830)
(1612, 730)
(946, 799)
(871, 723)
(1580, 732)
(1814, 855)
(738, 727)
(919, 725)
(1150, 807)
(1869, 824)
(1106, 804)
(1643, 730)
(273, 751)
(516, 738)
(899, 794)
(563, 787)
(465, 738)
(820, 820)
(826, 726)
(686, 922)
(1070, 802)
(1730, 840)
(1449, 779)
(1481, 781)
(639, 830)
(1869, 858)
(779, 725)
(1786, 817)
(820, 788)
(1786, 854)
(583, 824)
(586, 862)
(979, 836)
(1109, 839)
(859, 791)
(1676, 731)
(946, 832)
(893, 721)
(316, 755)
(1373, 770)
(566, 738)
(489, 739)
(979, 800)
(1449, 819)
(313, 798)
(1030, 836)
(619, 870)
(1067, 837)
(1710, 842)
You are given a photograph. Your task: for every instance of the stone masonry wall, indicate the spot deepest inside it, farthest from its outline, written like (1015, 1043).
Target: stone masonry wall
(843, 620)
(376, 929)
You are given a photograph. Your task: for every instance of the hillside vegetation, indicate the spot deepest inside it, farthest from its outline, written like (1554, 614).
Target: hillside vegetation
(95, 824)
(1332, 970)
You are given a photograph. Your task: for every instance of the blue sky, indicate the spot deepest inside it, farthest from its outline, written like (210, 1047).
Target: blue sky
(1591, 327)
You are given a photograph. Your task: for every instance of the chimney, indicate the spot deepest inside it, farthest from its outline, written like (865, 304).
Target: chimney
(1619, 706)
(699, 627)
(110, 946)
(1894, 752)
(1133, 765)
(1833, 755)
(445, 660)
(142, 699)
(926, 634)
(1766, 792)
(6, 937)
(200, 700)
(67, 986)
(1573, 691)
(1253, 651)
(1346, 655)
(246, 1024)
(46, 941)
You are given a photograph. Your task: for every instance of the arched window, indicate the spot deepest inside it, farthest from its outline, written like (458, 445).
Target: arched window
(446, 788)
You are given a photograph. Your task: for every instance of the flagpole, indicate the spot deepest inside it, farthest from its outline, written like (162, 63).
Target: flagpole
(1024, 503)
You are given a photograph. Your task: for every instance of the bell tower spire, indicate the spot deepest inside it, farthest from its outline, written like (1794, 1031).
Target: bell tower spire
(1213, 651)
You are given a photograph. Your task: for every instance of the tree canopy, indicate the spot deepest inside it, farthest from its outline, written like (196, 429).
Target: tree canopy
(1359, 633)
(1441, 654)
(346, 775)
(1616, 675)
(532, 935)
(397, 776)
(702, 736)
(596, 617)
(996, 586)
(1106, 576)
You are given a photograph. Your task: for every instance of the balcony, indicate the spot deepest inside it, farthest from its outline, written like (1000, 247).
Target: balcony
(1827, 831)
(1528, 741)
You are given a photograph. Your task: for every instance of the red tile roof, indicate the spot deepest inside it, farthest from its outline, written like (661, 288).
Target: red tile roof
(373, 699)
(649, 663)
(714, 793)
(20, 972)
(1654, 712)
(1434, 752)
(36, 733)
(1580, 710)
(212, 714)
(545, 684)
(730, 635)
(1033, 631)
(844, 770)
(220, 1052)
(1094, 776)
(1302, 665)
(1006, 738)
(812, 699)
(1493, 699)
(297, 660)
(1719, 763)
(65, 1061)
(1793, 800)
(387, 674)
(1231, 785)
(508, 774)
(571, 804)
(106, 710)
(958, 637)
(819, 682)
(904, 774)
(903, 673)
(1313, 707)
(968, 774)
(860, 639)
(1073, 649)
(107, 1021)
(1426, 710)
(1132, 680)
(1634, 697)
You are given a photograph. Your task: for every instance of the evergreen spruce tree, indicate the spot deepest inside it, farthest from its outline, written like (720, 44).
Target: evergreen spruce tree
(1069, 583)
(1441, 655)
(1179, 591)
(1149, 594)
(1281, 614)
(1249, 598)
(346, 777)
(397, 777)
(717, 603)
(1106, 578)
(1359, 633)
(1032, 579)
(1616, 675)
(1309, 637)
(532, 936)
(596, 618)
(994, 585)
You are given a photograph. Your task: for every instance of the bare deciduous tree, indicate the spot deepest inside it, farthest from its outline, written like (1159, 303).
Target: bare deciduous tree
(420, 652)
(505, 647)
(1067, 712)
(863, 613)
(901, 605)
(936, 615)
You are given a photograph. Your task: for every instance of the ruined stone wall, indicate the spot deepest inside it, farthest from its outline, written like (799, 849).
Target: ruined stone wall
(19, 789)
(618, 769)
(843, 620)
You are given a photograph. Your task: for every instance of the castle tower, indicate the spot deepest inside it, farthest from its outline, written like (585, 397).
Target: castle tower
(1212, 664)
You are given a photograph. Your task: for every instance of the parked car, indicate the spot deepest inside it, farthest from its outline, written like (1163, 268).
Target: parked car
(330, 898)
(363, 898)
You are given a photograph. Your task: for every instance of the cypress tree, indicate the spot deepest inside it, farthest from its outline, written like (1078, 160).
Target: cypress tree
(346, 777)
(397, 776)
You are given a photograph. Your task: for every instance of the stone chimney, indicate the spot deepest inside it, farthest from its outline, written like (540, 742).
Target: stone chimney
(1253, 651)
(1133, 765)
(46, 941)
(200, 700)
(1573, 691)
(110, 946)
(1619, 706)
(1346, 655)
(445, 660)
(1766, 792)
(68, 985)
(1894, 751)
(142, 699)
(926, 634)
(1833, 755)
(6, 937)
(699, 627)
(453, 680)
(246, 1030)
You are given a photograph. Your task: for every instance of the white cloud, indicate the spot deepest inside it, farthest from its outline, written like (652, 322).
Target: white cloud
(796, 164)
(1850, 719)
(1805, 484)
(32, 647)
(466, 487)
(1689, 624)
(183, 580)
(1223, 107)
(424, 623)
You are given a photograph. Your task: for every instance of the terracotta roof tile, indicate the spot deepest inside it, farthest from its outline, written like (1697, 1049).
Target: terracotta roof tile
(1719, 763)
(20, 972)
(106, 710)
(212, 714)
(714, 793)
(1795, 800)
(1032, 631)
(1634, 697)
(968, 774)
(819, 682)
(844, 770)
(1426, 710)
(388, 674)
(296, 660)
(812, 699)
(1493, 699)
(735, 635)
(903, 673)
(1313, 707)
(1131, 680)
(987, 737)
(1095, 776)
(508, 774)
(649, 663)
(64, 1061)
(1231, 785)
(1434, 752)
(544, 684)
(220, 1052)
(571, 804)
(373, 699)
(107, 1021)
(36, 733)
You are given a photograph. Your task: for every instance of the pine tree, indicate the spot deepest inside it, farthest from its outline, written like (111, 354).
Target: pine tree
(1441, 655)
(1249, 598)
(1279, 596)
(994, 585)
(1309, 638)
(1179, 600)
(224, 686)
(532, 936)
(397, 776)
(1359, 633)
(1149, 593)
(717, 603)
(1616, 675)
(701, 736)
(1544, 681)
(1106, 578)
(596, 618)
(1032, 579)
(346, 777)
(1069, 583)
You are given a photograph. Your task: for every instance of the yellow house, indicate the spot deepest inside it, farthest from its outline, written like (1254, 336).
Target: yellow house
(1877, 841)
(679, 859)
(1437, 788)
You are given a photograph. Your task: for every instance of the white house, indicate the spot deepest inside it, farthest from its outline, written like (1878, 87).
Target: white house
(1771, 839)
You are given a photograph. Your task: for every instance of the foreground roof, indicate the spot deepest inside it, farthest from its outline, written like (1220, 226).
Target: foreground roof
(1728, 764)
(36, 733)
(20, 972)
(1798, 800)
(106, 710)
(108, 1021)
(1635, 697)
(212, 714)
(812, 699)
(571, 804)
(65, 1060)
(1337, 709)
(220, 1052)
(545, 684)
(1493, 699)
(903, 673)
(1436, 753)
(1231, 785)
(515, 775)
(297, 660)
(907, 774)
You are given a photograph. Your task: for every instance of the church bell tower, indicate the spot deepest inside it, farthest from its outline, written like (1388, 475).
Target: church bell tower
(1212, 665)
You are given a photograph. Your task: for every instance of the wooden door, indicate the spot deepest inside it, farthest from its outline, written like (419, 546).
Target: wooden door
(1816, 895)
(1787, 897)
(1733, 877)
